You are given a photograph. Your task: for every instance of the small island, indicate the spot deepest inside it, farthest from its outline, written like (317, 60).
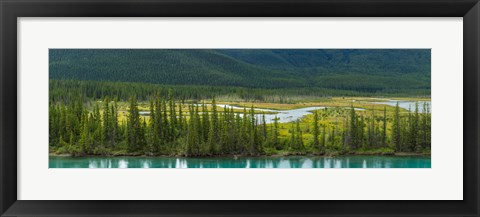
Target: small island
(244, 108)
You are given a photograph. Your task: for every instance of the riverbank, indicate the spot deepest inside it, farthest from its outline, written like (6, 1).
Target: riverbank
(237, 156)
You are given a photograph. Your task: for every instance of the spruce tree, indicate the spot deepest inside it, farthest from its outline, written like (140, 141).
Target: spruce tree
(426, 128)
(384, 130)
(252, 132)
(135, 131)
(299, 138)
(396, 129)
(84, 136)
(275, 133)
(354, 140)
(264, 128)
(293, 138)
(107, 123)
(114, 123)
(213, 133)
(316, 132)
(205, 122)
(166, 123)
(324, 138)
(173, 116)
(159, 133)
(415, 128)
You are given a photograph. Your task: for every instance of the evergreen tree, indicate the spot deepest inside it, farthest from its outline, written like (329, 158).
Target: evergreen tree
(135, 131)
(396, 129)
(264, 128)
(180, 117)
(324, 137)
(96, 127)
(293, 138)
(299, 138)
(158, 127)
(173, 116)
(414, 130)
(114, 123)
(205, 122)
(275, 134)
(191, 133)
(316, 132)
(166, 129)
(384, 131)
(354, 140)
(107, 123)
(71, 142)
(252, 132)
(213, 133)
(152, 129)
(426, 128)
(84, 136)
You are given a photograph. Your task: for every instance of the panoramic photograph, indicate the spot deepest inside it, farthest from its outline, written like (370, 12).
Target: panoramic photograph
(240, 108)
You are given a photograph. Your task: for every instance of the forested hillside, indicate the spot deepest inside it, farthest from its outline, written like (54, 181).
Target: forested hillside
(365, 70)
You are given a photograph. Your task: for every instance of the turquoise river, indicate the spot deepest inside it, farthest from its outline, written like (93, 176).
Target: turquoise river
(243, 162)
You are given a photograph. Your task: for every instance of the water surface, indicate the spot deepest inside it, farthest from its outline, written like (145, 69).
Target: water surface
(408, 105)
(286, 116)
(243, 162)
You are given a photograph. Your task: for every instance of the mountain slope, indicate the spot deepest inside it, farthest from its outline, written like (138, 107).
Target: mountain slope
(366, 70)
(362, 60)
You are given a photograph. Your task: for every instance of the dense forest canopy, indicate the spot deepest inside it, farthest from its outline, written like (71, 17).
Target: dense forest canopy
(405, 71)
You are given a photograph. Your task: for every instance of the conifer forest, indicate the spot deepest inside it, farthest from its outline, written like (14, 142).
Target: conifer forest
(231, 103)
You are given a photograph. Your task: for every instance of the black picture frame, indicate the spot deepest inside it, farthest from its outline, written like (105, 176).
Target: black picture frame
(10, 10)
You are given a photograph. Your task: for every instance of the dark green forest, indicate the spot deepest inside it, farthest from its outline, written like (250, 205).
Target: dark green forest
(64, 90)
(369, 71)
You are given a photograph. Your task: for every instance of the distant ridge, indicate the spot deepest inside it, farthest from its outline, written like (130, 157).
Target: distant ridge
(365, 70)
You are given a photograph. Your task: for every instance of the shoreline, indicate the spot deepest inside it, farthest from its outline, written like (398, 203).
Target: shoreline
(399, 154)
